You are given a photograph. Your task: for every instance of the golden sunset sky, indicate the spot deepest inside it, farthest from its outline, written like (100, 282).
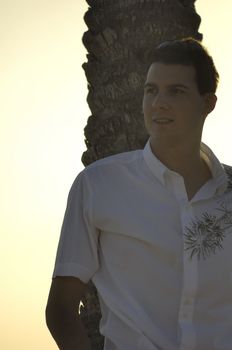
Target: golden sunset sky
(43, 112)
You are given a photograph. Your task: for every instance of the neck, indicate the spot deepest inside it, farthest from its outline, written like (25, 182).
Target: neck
(187, 162)
(179, 159)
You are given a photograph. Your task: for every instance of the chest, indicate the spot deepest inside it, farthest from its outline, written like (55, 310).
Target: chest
(150, 213)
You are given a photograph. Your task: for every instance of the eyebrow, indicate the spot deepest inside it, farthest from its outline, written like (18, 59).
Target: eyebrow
(177, 85)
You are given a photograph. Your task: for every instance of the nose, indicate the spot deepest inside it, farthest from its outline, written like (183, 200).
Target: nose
(160, 101)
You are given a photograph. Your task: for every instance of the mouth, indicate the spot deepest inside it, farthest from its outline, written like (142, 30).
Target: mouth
(162, 120)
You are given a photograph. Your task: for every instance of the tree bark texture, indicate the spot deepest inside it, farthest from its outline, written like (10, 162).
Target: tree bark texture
(120, 38)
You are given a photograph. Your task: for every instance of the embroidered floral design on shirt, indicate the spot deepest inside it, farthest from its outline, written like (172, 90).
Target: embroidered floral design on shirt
(204, 236)
(228, 170)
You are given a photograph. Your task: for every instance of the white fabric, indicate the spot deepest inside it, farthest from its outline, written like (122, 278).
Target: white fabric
(162, 264)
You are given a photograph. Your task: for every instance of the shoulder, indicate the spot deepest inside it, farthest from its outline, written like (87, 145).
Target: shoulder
(228, 171)
(112, 170)
(125, 159)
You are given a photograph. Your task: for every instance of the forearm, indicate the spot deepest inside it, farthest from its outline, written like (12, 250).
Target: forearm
(68, 331)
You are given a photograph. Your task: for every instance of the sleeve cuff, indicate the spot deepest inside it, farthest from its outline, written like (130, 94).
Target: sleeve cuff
(74, 270)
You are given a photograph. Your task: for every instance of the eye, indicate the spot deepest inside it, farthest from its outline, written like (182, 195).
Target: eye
(177, 91)
(150, 90)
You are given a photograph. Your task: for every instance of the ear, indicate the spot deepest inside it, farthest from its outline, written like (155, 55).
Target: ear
(210, 102)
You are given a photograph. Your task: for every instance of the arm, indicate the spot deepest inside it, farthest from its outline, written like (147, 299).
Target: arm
(62, 315)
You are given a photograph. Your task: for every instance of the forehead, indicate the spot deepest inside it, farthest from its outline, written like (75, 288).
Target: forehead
(161, 73)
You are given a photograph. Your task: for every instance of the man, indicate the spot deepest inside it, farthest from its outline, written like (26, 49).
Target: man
(153, 228)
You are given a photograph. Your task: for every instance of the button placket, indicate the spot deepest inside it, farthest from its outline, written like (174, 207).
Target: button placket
(189, 287)
(190, 268)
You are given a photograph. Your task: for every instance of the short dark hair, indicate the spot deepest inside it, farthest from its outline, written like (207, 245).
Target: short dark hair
(189, 51)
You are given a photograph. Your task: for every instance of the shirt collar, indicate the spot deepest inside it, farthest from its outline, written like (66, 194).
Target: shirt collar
(219, 178)
(154, 164)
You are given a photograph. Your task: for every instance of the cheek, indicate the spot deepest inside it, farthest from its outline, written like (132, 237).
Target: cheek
(190, 107)
(199, 105)
(199, 110)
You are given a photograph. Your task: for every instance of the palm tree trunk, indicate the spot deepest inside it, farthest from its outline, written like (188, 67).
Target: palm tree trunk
(121, 35)
(120, 38)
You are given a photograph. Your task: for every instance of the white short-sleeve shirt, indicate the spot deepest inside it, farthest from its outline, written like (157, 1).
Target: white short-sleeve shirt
(162, 264)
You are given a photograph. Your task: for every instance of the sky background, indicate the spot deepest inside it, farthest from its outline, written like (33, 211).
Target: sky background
(43, 111)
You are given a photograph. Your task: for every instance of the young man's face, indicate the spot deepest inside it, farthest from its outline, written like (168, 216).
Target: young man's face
(174, 110)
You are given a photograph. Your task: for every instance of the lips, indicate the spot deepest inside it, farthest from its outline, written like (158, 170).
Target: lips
(162, 120)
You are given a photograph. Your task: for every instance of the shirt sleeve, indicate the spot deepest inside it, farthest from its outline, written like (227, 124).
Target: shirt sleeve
(77, 253)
